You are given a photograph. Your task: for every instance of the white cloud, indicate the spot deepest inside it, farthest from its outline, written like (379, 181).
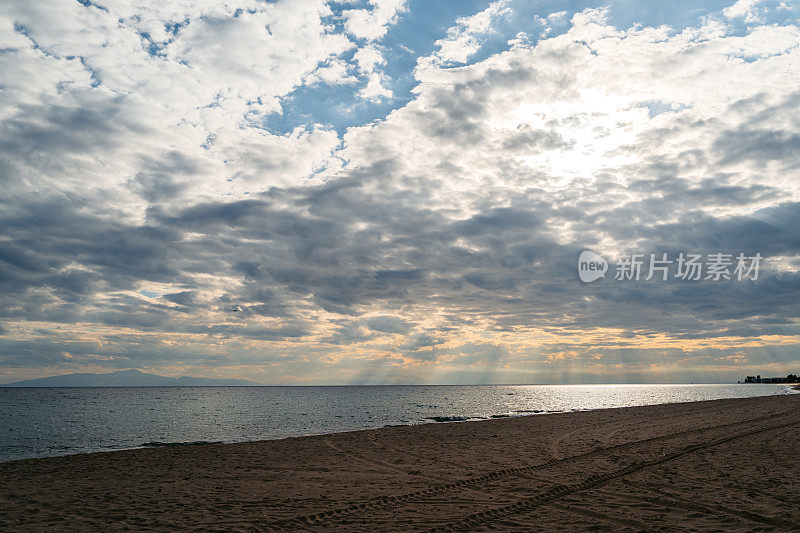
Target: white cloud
(258, 157)
(498, 121)
(368, 57)
(263, 54)
(547, 22)
(463, 39)
(335, 72)
(372, 24)
(374, 89)
(746, 9)
(189, 78)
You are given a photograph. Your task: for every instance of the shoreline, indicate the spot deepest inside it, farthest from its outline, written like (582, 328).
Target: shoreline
(431, 420)
(690, 464)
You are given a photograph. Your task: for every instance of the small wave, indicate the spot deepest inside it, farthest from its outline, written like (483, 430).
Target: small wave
(156, 443)
(447, 418)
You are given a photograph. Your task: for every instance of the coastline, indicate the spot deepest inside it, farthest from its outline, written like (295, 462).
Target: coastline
(696, 464)
(114, 419)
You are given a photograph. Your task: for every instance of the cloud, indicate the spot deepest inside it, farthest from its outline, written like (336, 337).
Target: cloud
(150, 214)
(743, 9)
(463, 39)
(335, 72)
(373, 23)
(374, 90)
(389, 324)
(368, 58)
(263, 54)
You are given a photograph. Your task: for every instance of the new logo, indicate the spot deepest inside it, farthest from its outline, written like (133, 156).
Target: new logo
(591, 266)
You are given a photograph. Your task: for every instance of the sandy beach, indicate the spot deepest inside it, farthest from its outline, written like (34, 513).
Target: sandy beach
(717, 465)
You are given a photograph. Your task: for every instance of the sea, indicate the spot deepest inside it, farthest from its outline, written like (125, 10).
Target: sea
(42, 422)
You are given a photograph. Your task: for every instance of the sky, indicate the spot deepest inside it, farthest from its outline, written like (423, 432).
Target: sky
(398, 191)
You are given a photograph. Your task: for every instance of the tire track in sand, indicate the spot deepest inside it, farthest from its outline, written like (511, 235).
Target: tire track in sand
(481, 518)
(323, 518)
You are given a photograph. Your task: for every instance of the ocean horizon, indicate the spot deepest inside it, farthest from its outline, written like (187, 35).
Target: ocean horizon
(53, 421)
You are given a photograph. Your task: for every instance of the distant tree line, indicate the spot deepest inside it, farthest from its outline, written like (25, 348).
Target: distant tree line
(791, 378)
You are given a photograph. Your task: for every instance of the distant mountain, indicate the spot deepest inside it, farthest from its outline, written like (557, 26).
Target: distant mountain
(128, 378)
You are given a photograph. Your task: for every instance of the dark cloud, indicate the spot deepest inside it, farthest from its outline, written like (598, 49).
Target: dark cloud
(389, 324)
(347, 247)
(438, 218)
(747, 144)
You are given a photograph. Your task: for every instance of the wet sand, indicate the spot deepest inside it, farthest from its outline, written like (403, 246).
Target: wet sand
(728, 465)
